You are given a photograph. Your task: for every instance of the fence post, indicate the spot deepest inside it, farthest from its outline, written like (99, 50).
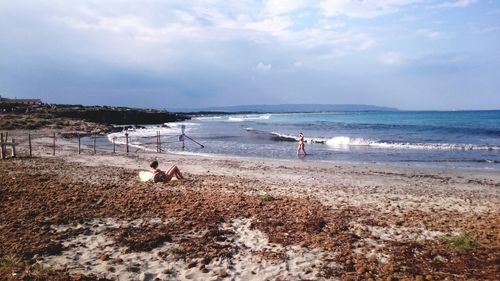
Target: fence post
(29, 142)
(183, 127)
(114, 144)
(54, 143)
(2, 146)
(14, 148)
(79, 143)
(95, 137)
(126, 140)
(159, 141)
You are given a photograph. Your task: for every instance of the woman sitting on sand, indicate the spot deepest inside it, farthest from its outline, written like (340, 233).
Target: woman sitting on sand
(161, 176)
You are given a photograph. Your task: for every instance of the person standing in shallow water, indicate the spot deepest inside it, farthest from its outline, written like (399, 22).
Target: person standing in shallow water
(301, 144)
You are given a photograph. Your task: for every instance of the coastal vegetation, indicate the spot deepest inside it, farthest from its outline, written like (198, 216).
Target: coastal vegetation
(266, 197)
(463, 241)
(80, 118)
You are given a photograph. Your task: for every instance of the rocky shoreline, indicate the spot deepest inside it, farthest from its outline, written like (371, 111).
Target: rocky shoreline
(82, 119)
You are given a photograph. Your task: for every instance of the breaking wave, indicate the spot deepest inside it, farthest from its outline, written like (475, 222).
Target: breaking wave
(242, 118)
(344, 141)
(347, 141)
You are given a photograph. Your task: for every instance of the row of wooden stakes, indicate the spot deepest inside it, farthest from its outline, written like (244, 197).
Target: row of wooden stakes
(4, 143)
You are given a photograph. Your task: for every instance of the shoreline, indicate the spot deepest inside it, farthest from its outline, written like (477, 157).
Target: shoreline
(441, 166)
(396, 165)
(246, 218)
(451, 156)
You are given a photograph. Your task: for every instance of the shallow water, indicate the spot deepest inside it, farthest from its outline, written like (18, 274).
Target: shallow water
(451, 139)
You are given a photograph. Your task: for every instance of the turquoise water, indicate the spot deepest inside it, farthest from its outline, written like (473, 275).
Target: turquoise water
(453, 139)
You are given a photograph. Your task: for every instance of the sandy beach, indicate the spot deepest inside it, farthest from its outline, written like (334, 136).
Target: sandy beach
(295, 140)
(88, 217)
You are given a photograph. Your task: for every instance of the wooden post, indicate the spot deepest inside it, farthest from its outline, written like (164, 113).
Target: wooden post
(114, 144)
(79, 143)
(183, 127)
(14, 148)
(126, 140)
(54, 144)
(95, 137)
(2, 146)
(159, 141)
(29, 143)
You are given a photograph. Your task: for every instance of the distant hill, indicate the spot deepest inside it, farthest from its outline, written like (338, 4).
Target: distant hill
(268, 108)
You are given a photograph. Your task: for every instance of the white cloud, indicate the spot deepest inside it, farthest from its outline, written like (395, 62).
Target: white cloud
(455, 4)
(341, 42)
(483, 29)
(212, 21)
(363, 9)
(263, 67)
(428, 62)
(409, 18)
(328, 24)
(391, 58)
(273, 26)
(431, 34)
(279, 7)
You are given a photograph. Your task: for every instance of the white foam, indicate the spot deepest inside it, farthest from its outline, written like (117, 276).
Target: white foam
(241, 118)
(343, 141)
(138, 137)
(190, 153)
(179, 124)
(347, 141)
(207, 118)
(285, 136)
(307, 140)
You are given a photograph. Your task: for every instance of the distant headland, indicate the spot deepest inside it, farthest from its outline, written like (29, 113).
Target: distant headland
(286, 108)
(35, 114)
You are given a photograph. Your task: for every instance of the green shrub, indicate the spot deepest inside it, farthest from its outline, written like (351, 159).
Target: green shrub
(266, 197)
(11, 261)
(463, 241)
(12, 265)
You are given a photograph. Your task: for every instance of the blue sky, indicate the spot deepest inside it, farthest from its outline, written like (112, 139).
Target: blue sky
(410, 54)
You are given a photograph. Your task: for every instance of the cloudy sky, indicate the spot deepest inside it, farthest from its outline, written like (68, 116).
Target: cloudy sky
(410, 54)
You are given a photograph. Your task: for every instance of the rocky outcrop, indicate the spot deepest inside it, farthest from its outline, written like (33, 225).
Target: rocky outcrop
(121, 116)
(81, 118)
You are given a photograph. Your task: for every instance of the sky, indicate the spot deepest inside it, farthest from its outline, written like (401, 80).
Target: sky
(409, 54)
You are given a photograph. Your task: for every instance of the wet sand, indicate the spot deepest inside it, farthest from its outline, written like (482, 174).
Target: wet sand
(88, 216)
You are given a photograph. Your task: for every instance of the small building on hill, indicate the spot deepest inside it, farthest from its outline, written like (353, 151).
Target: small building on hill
(21, 101)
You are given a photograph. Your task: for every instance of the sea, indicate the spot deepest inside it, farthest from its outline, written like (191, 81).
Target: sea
(452, 139)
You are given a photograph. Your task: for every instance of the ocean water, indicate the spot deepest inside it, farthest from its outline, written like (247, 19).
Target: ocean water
(468, 139)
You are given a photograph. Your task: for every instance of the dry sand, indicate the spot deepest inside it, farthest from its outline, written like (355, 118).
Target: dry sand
(246, 219)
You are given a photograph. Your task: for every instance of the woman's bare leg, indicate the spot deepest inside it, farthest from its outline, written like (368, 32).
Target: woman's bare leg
(178, 173)
(174, 171)
(301, 148)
